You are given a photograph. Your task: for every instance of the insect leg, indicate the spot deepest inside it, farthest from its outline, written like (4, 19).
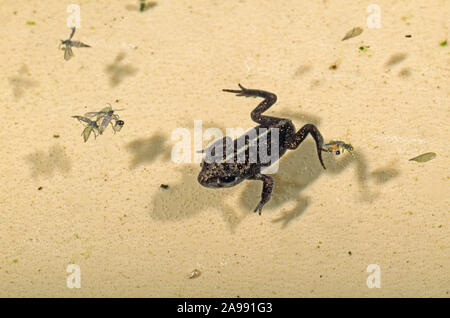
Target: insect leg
(71, 34)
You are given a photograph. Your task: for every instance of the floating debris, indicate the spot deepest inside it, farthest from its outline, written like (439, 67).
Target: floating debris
(443, 43)
(335, 65)
(352, 33)
(143, 6)
(364, 47)
(31, 23)
(55, 135)
(408, 36)
(194, 274)
(337, 147)
(40, 188)
(164, 186)
(424, 157)
(68, 45)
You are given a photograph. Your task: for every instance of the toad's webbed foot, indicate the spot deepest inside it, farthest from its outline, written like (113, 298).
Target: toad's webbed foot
(256, 115)
(266, 191)
(242, 92)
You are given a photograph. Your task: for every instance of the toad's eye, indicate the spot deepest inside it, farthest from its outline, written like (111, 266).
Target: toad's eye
(227, 179)
(338, 152)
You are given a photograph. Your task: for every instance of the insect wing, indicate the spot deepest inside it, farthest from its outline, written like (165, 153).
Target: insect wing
(424, 157)
(104, 123)
(87, 132)
(99, 114)
(79, 44)
(91, 114)
(103, 112)
(86, 120)
(68, 52)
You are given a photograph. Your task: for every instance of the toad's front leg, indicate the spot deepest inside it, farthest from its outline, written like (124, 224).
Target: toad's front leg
(295, 140)
(266, 191)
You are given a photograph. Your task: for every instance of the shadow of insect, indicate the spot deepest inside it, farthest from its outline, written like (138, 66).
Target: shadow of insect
(45, 164)
(118, 71)
(396, 59)
(20, 83)
(147, 150)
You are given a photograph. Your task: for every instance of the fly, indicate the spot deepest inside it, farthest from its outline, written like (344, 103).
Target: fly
(68, 45)
(105, 116)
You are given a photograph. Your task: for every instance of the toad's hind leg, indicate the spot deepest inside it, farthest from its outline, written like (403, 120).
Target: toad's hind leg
(269, 100)
(266, 191)
(295, 140)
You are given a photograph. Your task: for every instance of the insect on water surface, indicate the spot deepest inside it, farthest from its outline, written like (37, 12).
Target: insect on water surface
(337, 147)
(68, 53)
(105, 116)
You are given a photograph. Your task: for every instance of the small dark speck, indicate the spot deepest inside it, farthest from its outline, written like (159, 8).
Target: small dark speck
(405, 72)
(117, 100)
(164, 186)
(333, 67)
(349, 253)
(55, 135)
(40, 188)
(408, 36)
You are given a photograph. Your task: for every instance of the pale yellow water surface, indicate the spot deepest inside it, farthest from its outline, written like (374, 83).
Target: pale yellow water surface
(101, 206)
